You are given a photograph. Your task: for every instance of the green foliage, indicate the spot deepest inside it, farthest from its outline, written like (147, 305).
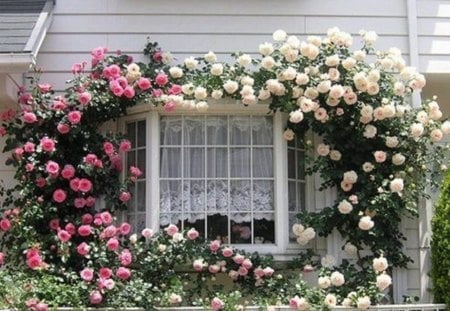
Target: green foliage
(440, 245)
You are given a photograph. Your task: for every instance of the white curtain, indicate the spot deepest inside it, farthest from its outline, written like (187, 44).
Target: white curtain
(208, 164)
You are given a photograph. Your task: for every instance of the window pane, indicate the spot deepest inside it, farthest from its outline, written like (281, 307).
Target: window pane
(217, 165)
(194, 162)
(131, 134)
(131, 158)
(194, 131)
(264, 228)
(141, 134)
(302, 196)
(262, 162)
(292, 220)
(262, 130)
(291, 164)
(240, 130)
(240, 162)
(217, 195)
(194, 195)
(241, 228)
(217, 225)
(141, 162)
(170, 195)
(167, 219)
(217, 130)
(240, 195)
(132, 201)
(292, 195)
(300, 164)
(140, 222)
(141, 196)
(171, 162)
(170, 131)
(263, 195)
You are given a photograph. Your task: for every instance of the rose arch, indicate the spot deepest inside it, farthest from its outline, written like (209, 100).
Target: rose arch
(373, 145)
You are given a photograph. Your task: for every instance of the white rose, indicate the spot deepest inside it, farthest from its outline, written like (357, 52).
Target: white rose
(177, 237)
(133, 238)
(247, 81)
(316, 40)
(202, 106)
(264, 94)
(216, 69)
(383, 281)
(297, 229)
(332, 61)
(350, 177)
(268, 62)
(288, 74)
(363, 303)
(247, 90)
(436, 135)
(309, 233)
(398, 159)
(345, 207)
(378, 113)
(350, 249)
(162, 248)
(200, 93)
(347, 302)
(328, 261)
(230, 86)
(174, 298)
(279, 35)
(349, 63)
(396, 185)
(337, 278)
(297, 92)
(386, 63)
(337, 91)
(407, 73)
(359, 55)
(389, 111)
(167, 57)
(266, 49)
(187, 89)
(374, 75)
(366, 110)
(373, 88)
(324, 86)
(330, 300)
(422, 117)
(311, 93)
(293, 41)
(324, 282)
(321, 115)
(370, 131)
(210, 57)
(380, 264)
(217, 94)
(391, 141)
(309, 50)
(416, 130)
(365, 223)
(368, 167)
(302, 239)
(370, 37)
(275, 87)
(296, 116)
(399, 88)
(176, 72)
(435, 114)
(191, 63)
(445, 127)
(323, 150)
(335, 155)
(289, 134)
(302, 79)
(244, 60)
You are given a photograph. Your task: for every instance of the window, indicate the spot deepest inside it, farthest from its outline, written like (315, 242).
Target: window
(231, 176)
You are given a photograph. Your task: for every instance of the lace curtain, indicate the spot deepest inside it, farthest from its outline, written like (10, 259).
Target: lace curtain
(216, 165)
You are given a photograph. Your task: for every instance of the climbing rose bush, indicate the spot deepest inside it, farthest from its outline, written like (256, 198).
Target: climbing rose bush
(374, 150)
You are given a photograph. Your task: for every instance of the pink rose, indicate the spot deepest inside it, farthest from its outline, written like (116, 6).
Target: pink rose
(125, 228)
(112, 72)
(29, 117)
(2, 259)
(147, 233)
(105, 273)
(161, 79)
(77, 68)
(86, 219)
(59, 195)
(106, 218)
(98, 54)
(129, 92)
(238, 259)
(234, 275)
(242, 271)
(59, 104)
(63, 128)
(54, 224)
(268, 271)
(109, 231)
(125, 145)
(47, 144)
(171, 230)
(144, 84)
(68, 171)
(70, 227)
(192, 234)
(217, 304)
(52, 168)
(175, 90)
(214, 246)
(87, 274)
(123, 82)
(247, 264)
(41, 306)
(2, 131)
(294, 302)
(79, 202)
(74, 117)
(380, 156)
(107, 283)
(258, 272)
(40, 182)
(18, 153)
(64, 236)
(83, 249)
(123, 273)
(115, 87)
(44, 87)
(125, 257)
(112, 244)
(170, 106)
(95, 297)
(29, 147)
(90, 201)
(29, 167)
(84, 230)
(84, 185)
(108, 148)
(74, 184)
(116, 162)
(25, 98)
(90, 159)
(227, 252)
(124, 196)
(34, 262)
(5, 224)
(214, 269)
(157, 93)
(198, 265)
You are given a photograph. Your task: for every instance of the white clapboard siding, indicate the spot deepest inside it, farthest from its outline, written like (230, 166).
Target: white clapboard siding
(433, 29)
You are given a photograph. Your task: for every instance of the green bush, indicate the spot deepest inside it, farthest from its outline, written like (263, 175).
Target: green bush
(440, 245)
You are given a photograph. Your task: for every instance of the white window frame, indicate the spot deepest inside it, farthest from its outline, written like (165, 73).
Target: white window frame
(282, 249)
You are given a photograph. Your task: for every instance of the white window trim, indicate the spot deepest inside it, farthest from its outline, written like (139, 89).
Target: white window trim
(282, 249)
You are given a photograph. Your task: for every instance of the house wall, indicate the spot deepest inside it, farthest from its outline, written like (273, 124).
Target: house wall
(193, 27)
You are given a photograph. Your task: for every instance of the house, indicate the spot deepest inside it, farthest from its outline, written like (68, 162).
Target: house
(220, 162)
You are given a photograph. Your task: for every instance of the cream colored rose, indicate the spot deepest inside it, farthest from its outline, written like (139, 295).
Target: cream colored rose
(328, 261)
(337, 279)
(244, 60)
(422, 117)
(435, 114)
(363, 303)
(365, 223)
(247, 90)
(210, 57)
(268, 62)
(230, 86)
(370, 131)
(386, 63)
(379, 264)
(324, 282)
(202, 106)
(217, 94)
(350, 249)
(191, 63)
(324, 86)
(176, 72)
(350, 177)
(445, 127)
(323, 150)
(311, 93)
(309, 233)
(316, 40)
(279, 35)
(266, 49)
(380, 156)
(345, 207)
(359, 55)
(275, 87)
(416, 130)
(436, 135)
(246, 80)
(332, 61)
(309, 50)
(302, 79)
(398, 159)
(383, 281)
(349, 63)
(217, 69)
(335, 155)
(330, 300)
(372, 88)
(289, 134)
(297, 92)
(188, 88)
(293, 41)
(264, 94)
(287, 74)
(337, 91)
(296, 116)
(200, 93)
